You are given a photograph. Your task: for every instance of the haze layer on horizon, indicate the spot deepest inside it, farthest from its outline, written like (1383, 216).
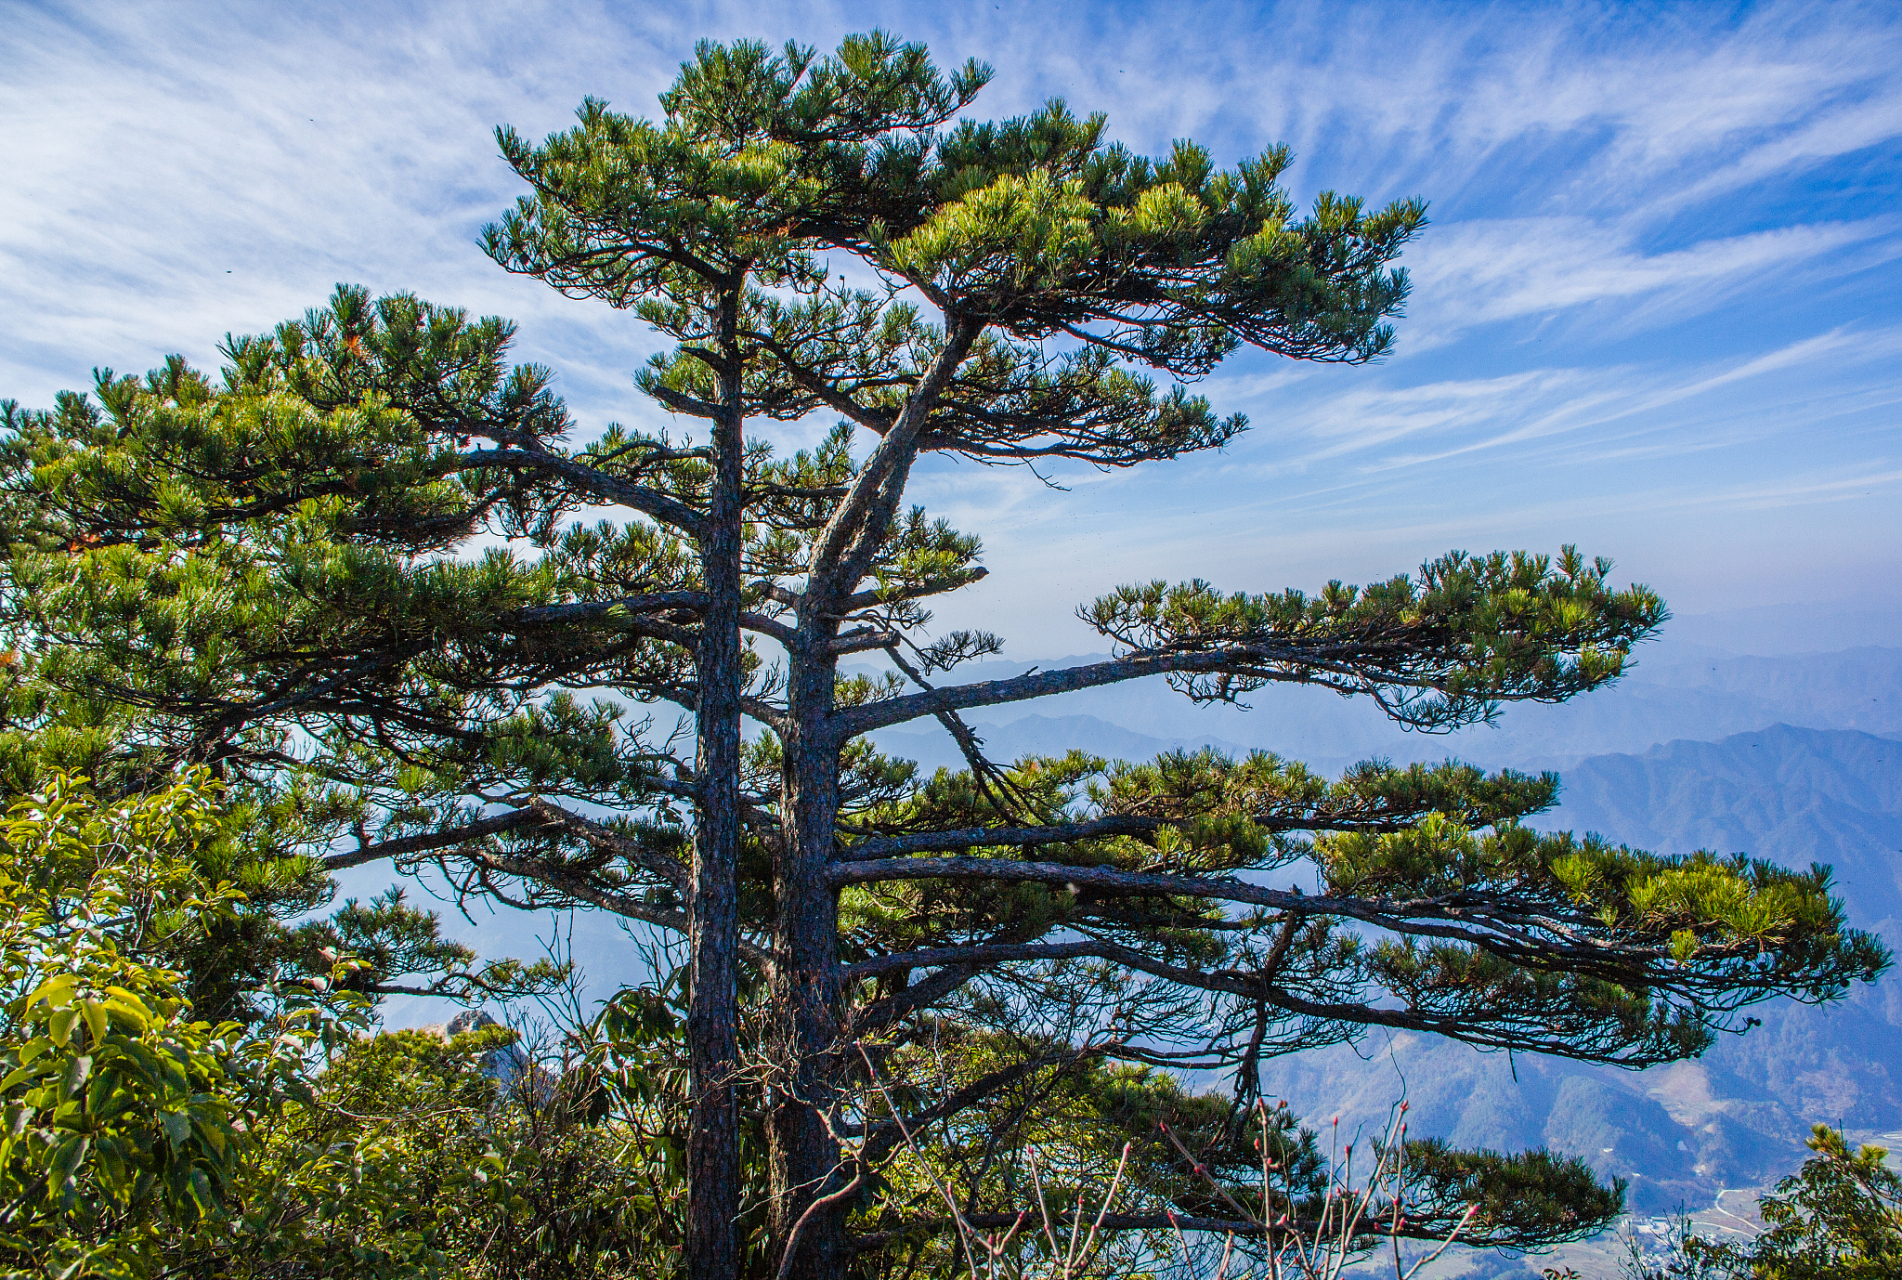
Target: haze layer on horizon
(1656, 313)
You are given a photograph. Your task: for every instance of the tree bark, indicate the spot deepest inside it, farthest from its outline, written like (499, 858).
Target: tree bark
(812, 1184)
(713, 1137)
(806, 1159)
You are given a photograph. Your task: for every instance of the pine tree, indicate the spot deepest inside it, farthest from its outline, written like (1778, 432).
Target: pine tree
(123, 736)
(277, 576)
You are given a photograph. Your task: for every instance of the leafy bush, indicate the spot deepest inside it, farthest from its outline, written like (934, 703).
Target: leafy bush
(125, 1118)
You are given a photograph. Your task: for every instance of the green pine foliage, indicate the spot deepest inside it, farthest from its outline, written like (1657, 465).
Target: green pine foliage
(374, 581)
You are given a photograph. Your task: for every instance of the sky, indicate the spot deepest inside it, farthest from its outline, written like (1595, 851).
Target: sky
(1656, 313)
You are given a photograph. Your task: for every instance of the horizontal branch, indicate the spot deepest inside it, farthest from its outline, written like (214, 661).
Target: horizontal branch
(679, 403)
(1352, 814)
(650, 502)
(977, 954)
(863, 639)
(621, 904)
(235, 714)
(534, 814)
(1146, 884)
(770, 627)
(603, 837)
(876, 1016)
(998, 837)
(480, 829)
(654, 602)
(588, 610)
(854, 721)
(894, 595)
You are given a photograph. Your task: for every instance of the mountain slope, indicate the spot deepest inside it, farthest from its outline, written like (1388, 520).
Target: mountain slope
(1792, 795)
(1737, 1116)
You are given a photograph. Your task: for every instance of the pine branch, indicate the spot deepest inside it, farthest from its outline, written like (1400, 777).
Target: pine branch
(407, 846)
(650, 502)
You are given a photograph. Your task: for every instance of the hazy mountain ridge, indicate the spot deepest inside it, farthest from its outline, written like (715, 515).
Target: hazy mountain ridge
(1791, 795)
(1737, 1116)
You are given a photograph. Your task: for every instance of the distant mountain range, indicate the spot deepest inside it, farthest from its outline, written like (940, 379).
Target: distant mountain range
(1793, 795)
(1738, 1116)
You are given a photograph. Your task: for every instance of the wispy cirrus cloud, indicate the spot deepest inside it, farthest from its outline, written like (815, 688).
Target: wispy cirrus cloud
(1588, 410)
(1605, 108)
(1484, 270)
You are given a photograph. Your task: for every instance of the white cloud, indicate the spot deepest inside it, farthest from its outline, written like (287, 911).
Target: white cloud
(1642, 104)
(1489, 270)
(1683, 409)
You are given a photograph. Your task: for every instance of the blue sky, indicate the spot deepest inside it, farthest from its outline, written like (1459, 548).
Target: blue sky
(1656, 312)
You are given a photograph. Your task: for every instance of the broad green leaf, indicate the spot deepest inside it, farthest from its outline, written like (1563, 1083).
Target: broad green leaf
(19, 1074)
(66, 1161)
(56, 991)
(132, 1014)
(95, 1015)
(78, 1070)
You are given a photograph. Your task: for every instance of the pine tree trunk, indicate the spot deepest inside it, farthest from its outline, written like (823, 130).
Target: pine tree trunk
(713, 1138)
(806, 1163)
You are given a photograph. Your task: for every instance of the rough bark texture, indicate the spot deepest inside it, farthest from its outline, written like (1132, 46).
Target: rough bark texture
(806, 1165)
(713, 1142)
